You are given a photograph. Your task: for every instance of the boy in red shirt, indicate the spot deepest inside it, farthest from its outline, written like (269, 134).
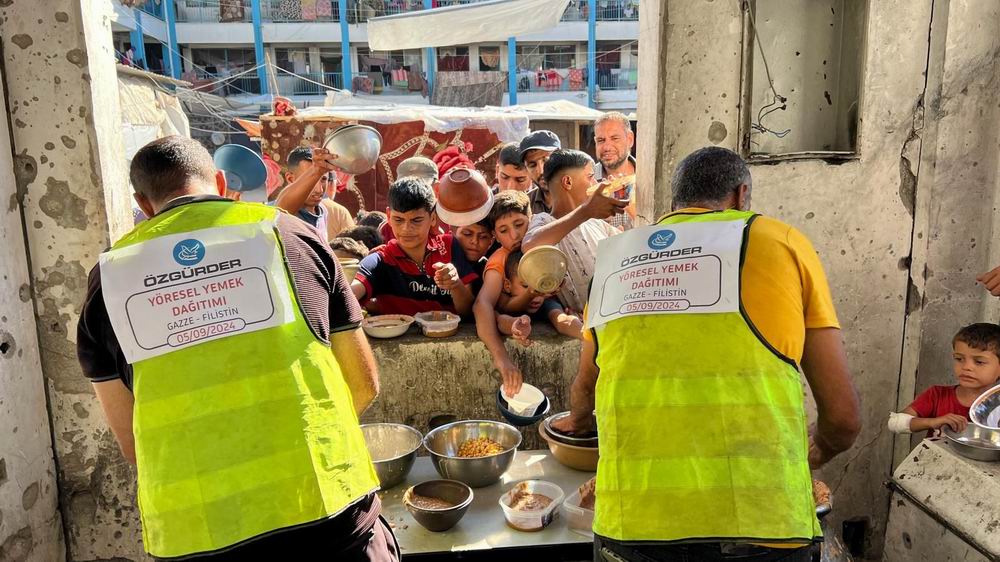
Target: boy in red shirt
(976, 365)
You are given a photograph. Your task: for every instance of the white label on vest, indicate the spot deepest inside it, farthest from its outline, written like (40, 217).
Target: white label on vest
(180, 290)
(675, 269)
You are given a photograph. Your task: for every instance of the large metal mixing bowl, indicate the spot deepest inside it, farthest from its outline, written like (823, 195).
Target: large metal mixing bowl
(979, 443)
(985, 410)
(393, 448)
(443, 444)
(357, 148)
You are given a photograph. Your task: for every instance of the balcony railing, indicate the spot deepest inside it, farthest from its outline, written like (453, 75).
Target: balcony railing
(241, 85)
(358, 11)
(154, 7)
(607, 10)
(214, 11)
(308, 83)
(575, 79)
(279, 11)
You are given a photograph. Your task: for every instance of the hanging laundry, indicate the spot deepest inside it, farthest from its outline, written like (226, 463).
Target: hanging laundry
(231, 10)
(308, 10)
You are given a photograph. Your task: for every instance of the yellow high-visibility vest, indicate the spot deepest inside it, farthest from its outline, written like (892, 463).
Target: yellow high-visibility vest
(703, 429)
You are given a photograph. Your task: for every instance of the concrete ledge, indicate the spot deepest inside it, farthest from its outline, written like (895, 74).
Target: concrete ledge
(427, 382)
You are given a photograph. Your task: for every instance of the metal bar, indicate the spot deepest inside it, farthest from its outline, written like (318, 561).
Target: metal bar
(431, 56)
(175, 54)
(258, 45)
(592, 53)
(137, 39)
(512, 70)
(345, 44)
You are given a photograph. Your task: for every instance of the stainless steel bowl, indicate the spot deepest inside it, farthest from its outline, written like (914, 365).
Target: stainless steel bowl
(979, 443)
(985, 410)
(393, 448)
(357, 148)
(443, 444)
(586, 440)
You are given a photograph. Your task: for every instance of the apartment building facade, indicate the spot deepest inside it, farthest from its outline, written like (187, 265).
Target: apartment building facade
(251, 49)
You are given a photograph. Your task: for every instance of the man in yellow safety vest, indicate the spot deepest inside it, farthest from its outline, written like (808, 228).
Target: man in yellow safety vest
(697, 328)
(222, 341)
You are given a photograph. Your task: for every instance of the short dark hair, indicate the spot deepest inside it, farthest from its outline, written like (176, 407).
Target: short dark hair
(373, 219)
(350, 245)
(510, 266)
(367, 235)
(564, 159)
(409, 194)
(299, 154)
(510, 155)
(982, 336)
(166, 166)
(507, 202)
(708, 175)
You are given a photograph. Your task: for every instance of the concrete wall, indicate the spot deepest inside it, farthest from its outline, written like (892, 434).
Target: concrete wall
(63, 99)
(428, 382)
(860, 214)
(809, 65)
(30, 525)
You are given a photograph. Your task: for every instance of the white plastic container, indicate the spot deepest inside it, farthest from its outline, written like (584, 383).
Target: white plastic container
(534, 520)
(525, 402)
(578, 519)
(438, 324)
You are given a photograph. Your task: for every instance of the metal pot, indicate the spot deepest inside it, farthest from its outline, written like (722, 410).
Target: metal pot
(357, 148)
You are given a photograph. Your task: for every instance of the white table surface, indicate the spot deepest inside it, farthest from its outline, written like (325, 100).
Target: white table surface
(484, 526)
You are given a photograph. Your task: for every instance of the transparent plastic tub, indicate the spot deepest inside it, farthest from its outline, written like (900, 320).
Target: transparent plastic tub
(534, 520)
(578, 519)
(438, 324)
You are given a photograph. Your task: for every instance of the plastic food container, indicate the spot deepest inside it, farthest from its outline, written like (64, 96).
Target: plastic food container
(438, 324)
(534, 520)
(578, 519)
(525, 402)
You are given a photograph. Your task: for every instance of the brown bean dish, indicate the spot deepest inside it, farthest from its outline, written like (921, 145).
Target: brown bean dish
(427, 502)
(524, 501)
(479, 447)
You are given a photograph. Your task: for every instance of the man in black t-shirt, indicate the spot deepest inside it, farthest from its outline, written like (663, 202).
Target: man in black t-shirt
(172, 176)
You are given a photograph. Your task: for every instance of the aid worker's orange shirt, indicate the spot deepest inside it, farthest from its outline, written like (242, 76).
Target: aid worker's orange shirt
(783, 287)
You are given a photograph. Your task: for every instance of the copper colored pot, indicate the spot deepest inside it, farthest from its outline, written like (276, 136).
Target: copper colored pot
(464, 197)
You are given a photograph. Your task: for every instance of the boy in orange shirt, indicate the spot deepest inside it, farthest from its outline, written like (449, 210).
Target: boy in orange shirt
(509, 216)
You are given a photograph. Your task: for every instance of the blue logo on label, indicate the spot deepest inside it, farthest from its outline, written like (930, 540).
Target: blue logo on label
(662, 239)
(189, 252)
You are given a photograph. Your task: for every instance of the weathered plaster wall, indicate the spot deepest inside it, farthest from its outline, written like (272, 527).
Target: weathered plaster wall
(962, 185)
(63, 101)
(30, 525)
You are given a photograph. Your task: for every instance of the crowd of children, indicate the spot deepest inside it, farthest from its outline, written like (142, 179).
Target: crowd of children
(411, 261)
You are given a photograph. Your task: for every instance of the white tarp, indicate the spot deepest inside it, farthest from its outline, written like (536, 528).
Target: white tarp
(494, 20)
